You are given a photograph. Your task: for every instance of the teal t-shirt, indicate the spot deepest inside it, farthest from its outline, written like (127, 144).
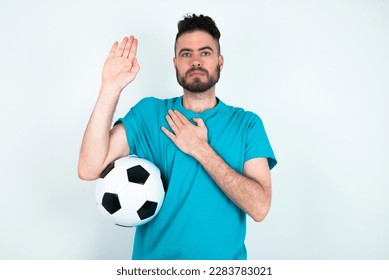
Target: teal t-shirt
(197, 220)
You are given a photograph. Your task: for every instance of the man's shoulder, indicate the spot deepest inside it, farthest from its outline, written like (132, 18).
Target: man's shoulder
(156, 102)
(241, 113)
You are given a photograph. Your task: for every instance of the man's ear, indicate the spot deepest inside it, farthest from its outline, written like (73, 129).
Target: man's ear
(174, 62)
(221, 62)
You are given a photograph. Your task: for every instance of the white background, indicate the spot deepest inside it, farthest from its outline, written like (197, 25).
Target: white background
(315, 71)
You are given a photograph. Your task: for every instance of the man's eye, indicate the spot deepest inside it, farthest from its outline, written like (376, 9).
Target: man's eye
(185, 55)
(205, 53)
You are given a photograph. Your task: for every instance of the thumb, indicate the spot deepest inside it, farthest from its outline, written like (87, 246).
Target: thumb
(135, 65)
(199, 122)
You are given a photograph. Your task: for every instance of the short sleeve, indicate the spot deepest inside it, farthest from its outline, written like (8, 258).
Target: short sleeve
(135, 124)
(257, 142)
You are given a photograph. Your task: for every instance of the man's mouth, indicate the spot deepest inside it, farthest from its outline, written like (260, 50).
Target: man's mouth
(197, 73)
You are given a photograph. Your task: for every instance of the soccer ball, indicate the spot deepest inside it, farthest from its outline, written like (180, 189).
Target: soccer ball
(130, 191)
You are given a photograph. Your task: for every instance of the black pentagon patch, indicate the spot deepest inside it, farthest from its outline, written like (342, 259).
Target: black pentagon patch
(111, 202)
(147, 210)
(107, 170)
(137, 174)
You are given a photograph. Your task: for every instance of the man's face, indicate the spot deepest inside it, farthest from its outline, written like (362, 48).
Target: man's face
(197, 61)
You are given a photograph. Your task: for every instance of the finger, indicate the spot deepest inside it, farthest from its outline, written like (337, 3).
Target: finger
(122, 45)
(113, 49)
(128, 46)
(181, 117)
(199, 122)
(178, 118)
(133, 49)
(168, 133)
(135, 67)
(172, 124)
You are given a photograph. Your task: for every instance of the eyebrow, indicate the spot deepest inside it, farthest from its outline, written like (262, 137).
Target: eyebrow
(191, 50)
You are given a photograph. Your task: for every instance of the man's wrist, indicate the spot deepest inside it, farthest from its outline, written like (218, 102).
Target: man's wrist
(203, 152)
(110, 89)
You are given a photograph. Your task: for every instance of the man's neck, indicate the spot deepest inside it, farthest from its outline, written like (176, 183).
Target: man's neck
(199, 102)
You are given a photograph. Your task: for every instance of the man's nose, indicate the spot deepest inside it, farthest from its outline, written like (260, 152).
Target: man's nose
(196, 61)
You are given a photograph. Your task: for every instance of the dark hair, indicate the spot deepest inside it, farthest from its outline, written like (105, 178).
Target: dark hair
(193, 22)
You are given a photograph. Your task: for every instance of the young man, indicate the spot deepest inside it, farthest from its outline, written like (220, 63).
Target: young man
(215, 159)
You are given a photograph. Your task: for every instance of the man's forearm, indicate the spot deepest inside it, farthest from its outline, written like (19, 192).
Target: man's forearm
(246, 193)
(95, 142)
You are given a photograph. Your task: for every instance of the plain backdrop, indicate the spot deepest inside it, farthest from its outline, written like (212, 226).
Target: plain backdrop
(315, 71)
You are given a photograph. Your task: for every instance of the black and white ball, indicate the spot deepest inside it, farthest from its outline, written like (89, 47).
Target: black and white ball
(130, 191)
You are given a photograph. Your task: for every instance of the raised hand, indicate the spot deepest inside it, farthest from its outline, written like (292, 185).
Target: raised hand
(121, 65)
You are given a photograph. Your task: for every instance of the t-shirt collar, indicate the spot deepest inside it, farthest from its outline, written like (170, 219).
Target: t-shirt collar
(190, 114)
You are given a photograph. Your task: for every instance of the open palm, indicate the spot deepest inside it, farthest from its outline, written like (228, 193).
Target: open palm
(121, 65)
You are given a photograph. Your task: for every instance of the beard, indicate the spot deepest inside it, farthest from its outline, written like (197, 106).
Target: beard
(198, 86)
